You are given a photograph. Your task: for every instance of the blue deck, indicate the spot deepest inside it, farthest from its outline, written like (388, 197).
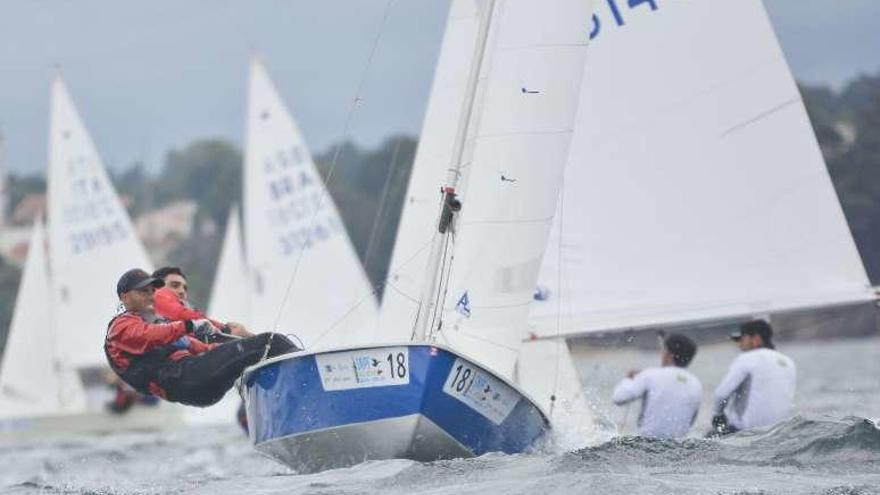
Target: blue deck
(290, 397)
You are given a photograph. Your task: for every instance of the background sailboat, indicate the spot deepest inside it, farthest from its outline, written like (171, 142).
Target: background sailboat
(91, 238)
(30, 382)
(91, 242)
(292, 228)
(695, 189)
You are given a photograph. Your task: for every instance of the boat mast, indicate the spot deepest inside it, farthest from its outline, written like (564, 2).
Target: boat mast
(430, 304)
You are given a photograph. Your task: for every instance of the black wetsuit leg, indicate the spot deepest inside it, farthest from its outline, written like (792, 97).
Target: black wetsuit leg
(203, 380)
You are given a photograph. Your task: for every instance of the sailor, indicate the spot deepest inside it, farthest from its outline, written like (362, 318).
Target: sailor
(172, 302)
(166, 359)
(758, 389)
(670, 394)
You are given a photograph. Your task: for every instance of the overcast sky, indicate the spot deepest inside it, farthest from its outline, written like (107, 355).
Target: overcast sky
(152, 75)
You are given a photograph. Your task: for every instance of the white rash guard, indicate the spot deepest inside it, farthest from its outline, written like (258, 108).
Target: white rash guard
(670, 400)
(758, 389)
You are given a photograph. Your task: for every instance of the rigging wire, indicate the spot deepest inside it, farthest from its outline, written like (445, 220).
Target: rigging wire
(559, 262)
(336, 154)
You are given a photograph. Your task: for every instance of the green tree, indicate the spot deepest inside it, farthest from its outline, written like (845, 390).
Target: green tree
(206, 171)
(10, 277)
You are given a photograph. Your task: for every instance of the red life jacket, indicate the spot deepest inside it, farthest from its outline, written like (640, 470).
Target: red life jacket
(142, 369)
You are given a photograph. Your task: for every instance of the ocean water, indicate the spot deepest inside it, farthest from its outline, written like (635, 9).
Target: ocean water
(831, 447)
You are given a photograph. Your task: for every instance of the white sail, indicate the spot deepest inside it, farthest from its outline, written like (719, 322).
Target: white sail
(91, 239)
(546, 371)
(696, 188)
(228, 302)
(30, 384)
(512, 161)
(292, 228)
(418, 222)
(229, 294)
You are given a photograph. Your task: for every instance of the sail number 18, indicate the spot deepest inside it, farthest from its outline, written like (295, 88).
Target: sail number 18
(463, 379)
(397, 363)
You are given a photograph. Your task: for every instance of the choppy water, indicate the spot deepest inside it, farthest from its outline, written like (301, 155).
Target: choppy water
(828, 449)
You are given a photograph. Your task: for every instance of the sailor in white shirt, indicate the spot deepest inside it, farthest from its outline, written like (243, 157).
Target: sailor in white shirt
(670, 394)
(758, 389)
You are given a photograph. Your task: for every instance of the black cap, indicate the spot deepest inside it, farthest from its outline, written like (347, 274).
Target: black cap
(755, 327)
(136, 279)
(682, 348)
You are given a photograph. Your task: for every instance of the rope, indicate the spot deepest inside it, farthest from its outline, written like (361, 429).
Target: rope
(559, 269)
(336, 154)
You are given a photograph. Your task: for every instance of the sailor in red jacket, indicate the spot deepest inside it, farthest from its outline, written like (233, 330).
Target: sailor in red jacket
(168, 359)
(172, 302)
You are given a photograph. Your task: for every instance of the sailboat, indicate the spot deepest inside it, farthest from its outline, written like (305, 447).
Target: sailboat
(31, 385)
(91, 242)
(445, 391)
(695, 191)
(292, 228)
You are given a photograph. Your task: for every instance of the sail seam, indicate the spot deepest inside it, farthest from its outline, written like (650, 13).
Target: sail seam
(761, 116)
(519, 133)
(508, 222)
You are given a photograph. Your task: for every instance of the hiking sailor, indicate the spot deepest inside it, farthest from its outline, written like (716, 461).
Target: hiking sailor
(758, 389)
(670, 394)
(172, 302)
(166, 359)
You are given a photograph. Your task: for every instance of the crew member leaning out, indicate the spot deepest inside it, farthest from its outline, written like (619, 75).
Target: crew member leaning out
(167, 359)
(172, 302)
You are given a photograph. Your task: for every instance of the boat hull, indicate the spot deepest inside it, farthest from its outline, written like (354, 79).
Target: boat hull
(338, 408)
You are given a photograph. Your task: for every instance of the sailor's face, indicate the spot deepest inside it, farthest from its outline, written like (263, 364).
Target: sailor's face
(140, 300)
(177, 284)
(746, 342)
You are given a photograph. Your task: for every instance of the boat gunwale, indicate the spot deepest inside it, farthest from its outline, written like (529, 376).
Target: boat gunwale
(250, 370)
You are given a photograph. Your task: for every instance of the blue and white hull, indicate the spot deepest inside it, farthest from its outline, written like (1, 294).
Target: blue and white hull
(323, 410)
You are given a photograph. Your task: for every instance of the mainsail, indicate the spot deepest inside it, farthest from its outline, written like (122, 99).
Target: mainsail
(695, 189)
(520, 121)
(400, 301)
(305, 275)
(30, 384)
(91, 238)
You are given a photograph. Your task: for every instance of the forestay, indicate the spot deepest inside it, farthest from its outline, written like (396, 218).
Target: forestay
(292, 228)
(517, 141)
(695, 188)
(30, 384)
(91, 238)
